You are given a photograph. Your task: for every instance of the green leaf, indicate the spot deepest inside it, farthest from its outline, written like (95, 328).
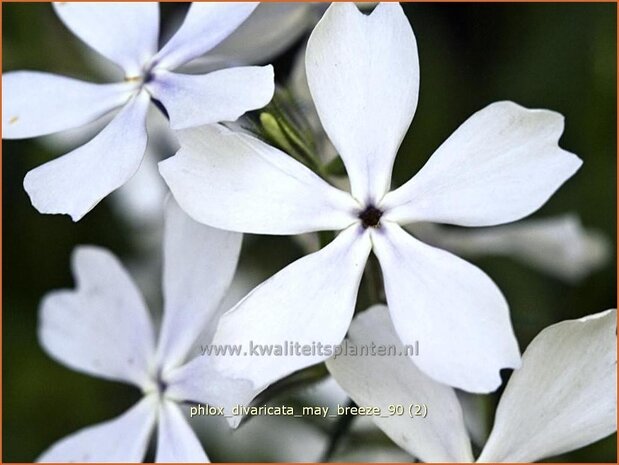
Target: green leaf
(335, 167)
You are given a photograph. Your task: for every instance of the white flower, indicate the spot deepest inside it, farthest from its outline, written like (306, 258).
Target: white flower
(103, 328)
(559, 246)
(38, 103)
(499, 166)
(562, 398)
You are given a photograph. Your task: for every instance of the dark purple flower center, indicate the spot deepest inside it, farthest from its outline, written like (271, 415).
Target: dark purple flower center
(370, 217)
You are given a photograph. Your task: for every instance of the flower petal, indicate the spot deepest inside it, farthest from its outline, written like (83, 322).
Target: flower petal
(268, 32)
(123, 439)
(199, 264)
(124, 32)
(76, 182)
(200, 381)
(501, 165)
(311, 301)
(235, 182)
(196, 100)
(102, 327)
(176, 441)
(563, 397)
(363, 73)
(205, 26)
(375, 381)
(559, 246)
(453, 309)
(35, 104)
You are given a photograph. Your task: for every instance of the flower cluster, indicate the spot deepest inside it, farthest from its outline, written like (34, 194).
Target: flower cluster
(357, 85)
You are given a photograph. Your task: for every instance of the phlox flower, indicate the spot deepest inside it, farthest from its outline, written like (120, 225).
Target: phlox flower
(103, 328)
(560, 246)
(563, 397)
(37, 103)
(502, 164)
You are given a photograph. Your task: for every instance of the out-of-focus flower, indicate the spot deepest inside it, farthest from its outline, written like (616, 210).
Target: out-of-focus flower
(499, 166)
(271, 30)
(268, 32)
(559, 246)
(103, 328)
(39, 103)
(562, 398)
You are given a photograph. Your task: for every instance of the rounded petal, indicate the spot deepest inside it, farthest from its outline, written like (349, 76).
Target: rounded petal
(76, 182)
(102, 327)
(565, 395)
(235, 182)
(205, 26)
(124, 32)
(453, 309)
(123, 439)
(310, 302)
(559, 246)
(363, 73)
(176, 441)
(35, 104)
(501, 165)
(375, 381)
(225, 95)
(198, 267)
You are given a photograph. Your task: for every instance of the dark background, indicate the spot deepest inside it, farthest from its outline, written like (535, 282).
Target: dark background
(556, 56)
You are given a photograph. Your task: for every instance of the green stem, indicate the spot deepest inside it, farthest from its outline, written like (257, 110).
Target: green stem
(325, 237)
(374, 281)
(340, 428)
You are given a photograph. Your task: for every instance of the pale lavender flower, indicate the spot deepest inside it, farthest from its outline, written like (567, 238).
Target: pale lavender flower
(37, 103)
(104, 329)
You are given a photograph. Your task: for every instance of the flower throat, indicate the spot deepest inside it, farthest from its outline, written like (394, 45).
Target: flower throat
(370, 217)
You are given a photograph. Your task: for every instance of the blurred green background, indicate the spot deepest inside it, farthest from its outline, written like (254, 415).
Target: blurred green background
(556, 56)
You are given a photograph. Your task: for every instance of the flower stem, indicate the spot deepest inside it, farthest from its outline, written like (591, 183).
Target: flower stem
(374, 282)
(340, 428)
